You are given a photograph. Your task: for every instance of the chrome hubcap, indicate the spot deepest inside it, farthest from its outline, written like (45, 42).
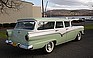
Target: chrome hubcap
(50, 47)
(79, 36)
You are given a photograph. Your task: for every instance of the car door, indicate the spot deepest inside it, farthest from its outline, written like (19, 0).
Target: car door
(46, 30)
(70, 32)
(59, 28)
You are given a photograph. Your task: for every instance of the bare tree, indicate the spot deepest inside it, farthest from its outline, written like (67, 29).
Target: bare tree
(9, 4)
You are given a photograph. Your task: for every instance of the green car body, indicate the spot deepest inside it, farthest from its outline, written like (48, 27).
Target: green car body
(44, 31)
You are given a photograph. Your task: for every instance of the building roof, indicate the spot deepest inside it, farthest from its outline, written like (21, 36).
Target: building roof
(28, 2)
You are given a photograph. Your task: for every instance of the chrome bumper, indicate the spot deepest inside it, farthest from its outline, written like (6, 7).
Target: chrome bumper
(19, 45)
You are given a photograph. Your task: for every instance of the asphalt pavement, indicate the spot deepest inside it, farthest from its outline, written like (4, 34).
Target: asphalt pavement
(73, 49)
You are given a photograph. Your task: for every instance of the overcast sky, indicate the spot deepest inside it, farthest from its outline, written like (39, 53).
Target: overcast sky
(65, 4)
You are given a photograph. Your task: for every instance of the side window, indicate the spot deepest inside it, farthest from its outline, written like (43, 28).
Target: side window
(46, 25)
(59, 24)
(67, 23)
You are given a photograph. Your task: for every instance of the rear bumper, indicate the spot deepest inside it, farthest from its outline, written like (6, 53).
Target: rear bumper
(19, 45)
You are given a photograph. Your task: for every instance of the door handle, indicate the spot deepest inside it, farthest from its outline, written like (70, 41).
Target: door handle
(56, 30)
(66, 28)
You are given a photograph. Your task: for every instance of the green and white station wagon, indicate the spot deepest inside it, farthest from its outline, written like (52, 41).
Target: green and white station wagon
(43, 33)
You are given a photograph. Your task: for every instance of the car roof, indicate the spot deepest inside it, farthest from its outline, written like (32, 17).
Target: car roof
(45, 19)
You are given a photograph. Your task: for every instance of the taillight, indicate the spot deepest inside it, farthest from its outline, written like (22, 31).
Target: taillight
(26, 37)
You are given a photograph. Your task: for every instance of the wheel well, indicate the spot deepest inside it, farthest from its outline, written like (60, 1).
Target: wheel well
(54, 42)
(81, 32)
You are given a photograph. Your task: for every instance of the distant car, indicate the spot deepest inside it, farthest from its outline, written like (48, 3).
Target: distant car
(81, 19)
(43, 33)
(91, 18)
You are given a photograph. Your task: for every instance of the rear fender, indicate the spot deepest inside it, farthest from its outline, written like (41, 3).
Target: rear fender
(41, 44)
(9, 32)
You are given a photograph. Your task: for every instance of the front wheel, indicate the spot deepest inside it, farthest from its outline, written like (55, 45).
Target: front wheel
(78, 38)
(49, 47)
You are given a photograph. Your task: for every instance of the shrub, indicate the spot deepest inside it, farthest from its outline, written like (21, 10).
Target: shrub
(1, 25)
(6, 25)
(12, 24)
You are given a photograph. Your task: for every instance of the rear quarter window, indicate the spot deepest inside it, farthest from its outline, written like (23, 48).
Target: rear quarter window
(59, 24)
(67, 23)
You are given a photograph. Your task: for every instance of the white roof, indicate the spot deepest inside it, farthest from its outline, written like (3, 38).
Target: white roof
(46, 19)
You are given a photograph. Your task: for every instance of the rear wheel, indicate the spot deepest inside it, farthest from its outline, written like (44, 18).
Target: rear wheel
(79, 35)
(49, 47)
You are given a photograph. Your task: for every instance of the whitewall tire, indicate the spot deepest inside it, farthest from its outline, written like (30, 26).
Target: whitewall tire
(49, 47)
(79, 36)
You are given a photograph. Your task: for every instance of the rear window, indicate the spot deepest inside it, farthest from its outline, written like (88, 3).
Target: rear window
(25, 25)
(46, 25)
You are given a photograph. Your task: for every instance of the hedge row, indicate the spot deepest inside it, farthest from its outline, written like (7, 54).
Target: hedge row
(8, 25)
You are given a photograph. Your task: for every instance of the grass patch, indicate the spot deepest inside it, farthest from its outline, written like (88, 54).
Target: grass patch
(89, 26)
(3, 34)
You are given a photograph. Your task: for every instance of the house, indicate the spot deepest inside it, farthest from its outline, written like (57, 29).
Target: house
(26, 10)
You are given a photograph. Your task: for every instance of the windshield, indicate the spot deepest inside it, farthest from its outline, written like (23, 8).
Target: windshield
(25, 25)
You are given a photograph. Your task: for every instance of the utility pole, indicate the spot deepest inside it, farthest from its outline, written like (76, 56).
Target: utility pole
(42, 8)
(46, 6)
